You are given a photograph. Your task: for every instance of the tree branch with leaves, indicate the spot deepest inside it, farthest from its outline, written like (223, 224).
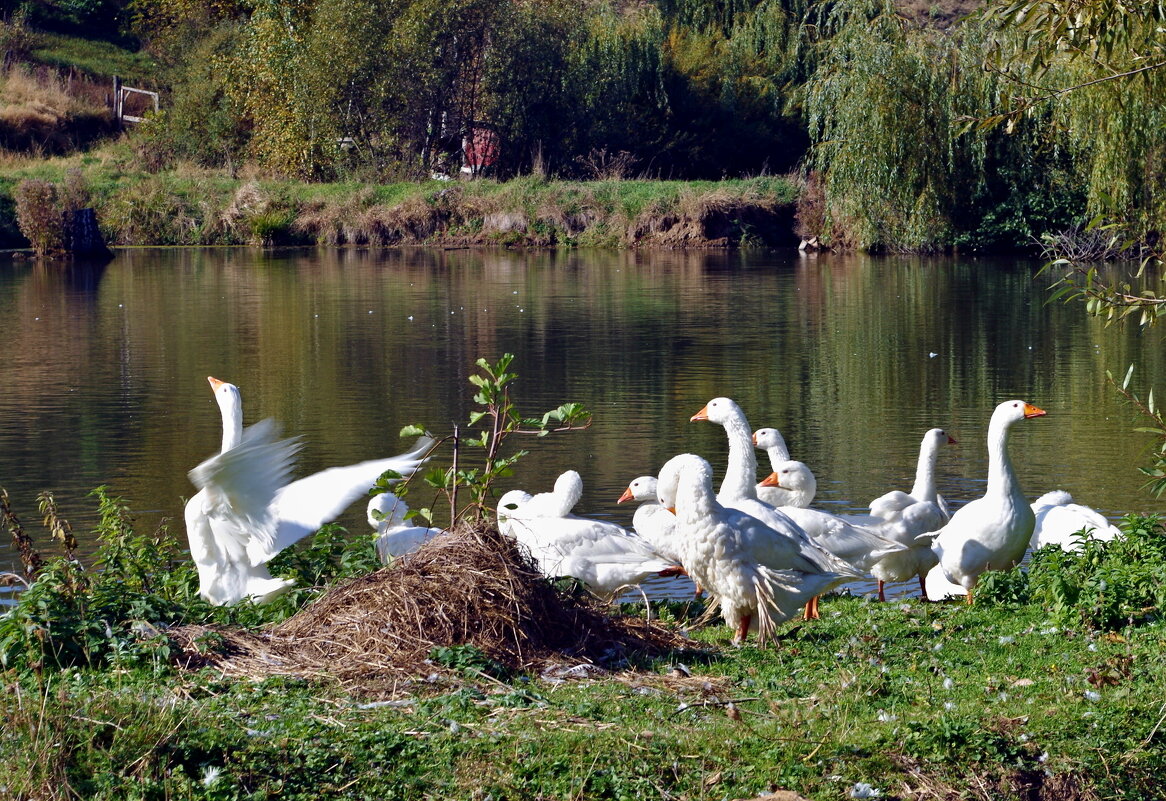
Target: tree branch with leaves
(493, 423)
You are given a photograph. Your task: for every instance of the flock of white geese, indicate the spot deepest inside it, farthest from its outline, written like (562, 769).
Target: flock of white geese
(756, 548)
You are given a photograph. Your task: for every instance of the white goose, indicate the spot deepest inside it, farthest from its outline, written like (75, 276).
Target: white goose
(231, 507)
(651, 520)
(992, 532)
(603, 555)
(395, 537)
(790, 480)
(1060, 521)
(908, 515)
(795, 490)
(760, 576)
(858, 546)
(245, 512)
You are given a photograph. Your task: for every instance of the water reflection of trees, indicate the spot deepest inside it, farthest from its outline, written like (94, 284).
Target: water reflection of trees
(345, 346)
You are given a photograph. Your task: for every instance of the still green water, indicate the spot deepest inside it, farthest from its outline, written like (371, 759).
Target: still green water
(853, 358)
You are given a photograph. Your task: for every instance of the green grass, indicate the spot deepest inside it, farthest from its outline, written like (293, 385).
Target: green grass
(98, 59)
(185, 206)
(1050, 687)
(903, 697)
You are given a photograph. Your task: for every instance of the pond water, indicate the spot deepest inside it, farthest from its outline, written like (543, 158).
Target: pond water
(852, 357)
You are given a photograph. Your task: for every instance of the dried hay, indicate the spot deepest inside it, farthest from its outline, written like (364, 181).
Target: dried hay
(249, 199)
(470, 587)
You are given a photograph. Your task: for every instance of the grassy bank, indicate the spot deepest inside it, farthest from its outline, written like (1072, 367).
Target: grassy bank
(1050, 687)
(918, 701)
(459, 671)
(204, 207)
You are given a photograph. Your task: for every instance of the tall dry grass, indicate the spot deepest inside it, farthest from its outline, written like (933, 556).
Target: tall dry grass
(41, 113)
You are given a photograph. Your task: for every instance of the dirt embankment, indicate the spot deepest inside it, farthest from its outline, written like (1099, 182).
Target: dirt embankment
(196, 209)
(574, 215)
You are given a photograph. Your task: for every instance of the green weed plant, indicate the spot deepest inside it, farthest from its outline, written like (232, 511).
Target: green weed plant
(1104, 585)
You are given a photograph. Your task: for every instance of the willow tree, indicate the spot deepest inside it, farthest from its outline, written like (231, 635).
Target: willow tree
(1095, 69)
(880, 106)
(895, 116)
(727, 78)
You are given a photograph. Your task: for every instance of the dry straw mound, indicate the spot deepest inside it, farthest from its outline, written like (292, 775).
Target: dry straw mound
(470, 587)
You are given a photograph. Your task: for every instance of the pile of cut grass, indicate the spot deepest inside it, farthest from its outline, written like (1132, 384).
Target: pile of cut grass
(471, 587)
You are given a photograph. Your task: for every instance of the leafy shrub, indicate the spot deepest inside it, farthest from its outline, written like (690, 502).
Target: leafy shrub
(38, 216)
(16, 40)
(110, 615)
(1002, 588)
(1103, 585)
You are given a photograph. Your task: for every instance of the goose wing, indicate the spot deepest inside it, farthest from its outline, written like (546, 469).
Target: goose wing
(305, 505)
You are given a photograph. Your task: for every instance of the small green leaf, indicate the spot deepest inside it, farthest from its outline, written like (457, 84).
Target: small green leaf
(413, 430)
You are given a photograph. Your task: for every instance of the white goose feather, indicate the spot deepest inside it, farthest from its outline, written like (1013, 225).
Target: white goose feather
(602, 555)
(760, 576)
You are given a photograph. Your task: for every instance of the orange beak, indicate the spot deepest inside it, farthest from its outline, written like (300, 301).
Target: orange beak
(770, 480)
(627, 495)
(671, 509)
(950, 440)
(703, 414)
(754, 438)
(215, 383)
(1031, 411)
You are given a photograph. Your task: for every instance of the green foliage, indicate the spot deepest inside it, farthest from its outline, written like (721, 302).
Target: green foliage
(469, 660)
(107, 616)
(16, 40)
(98, 19)
(1098, 67)
(1120, 304)
(881, 115)
(115, 613)
(1003, 588)
(501, 420)
(39, 217)
(200, 100)
(327, 557)
(1156, 427)
(378, 88)
(1104, 585)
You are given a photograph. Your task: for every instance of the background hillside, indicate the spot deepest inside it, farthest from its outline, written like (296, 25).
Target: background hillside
(914, 126)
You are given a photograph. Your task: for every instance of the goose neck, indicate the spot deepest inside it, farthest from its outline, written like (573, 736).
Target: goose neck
(1001, 475)
(694, 496)
(232, 412)
(741, 472)
(924, 488)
